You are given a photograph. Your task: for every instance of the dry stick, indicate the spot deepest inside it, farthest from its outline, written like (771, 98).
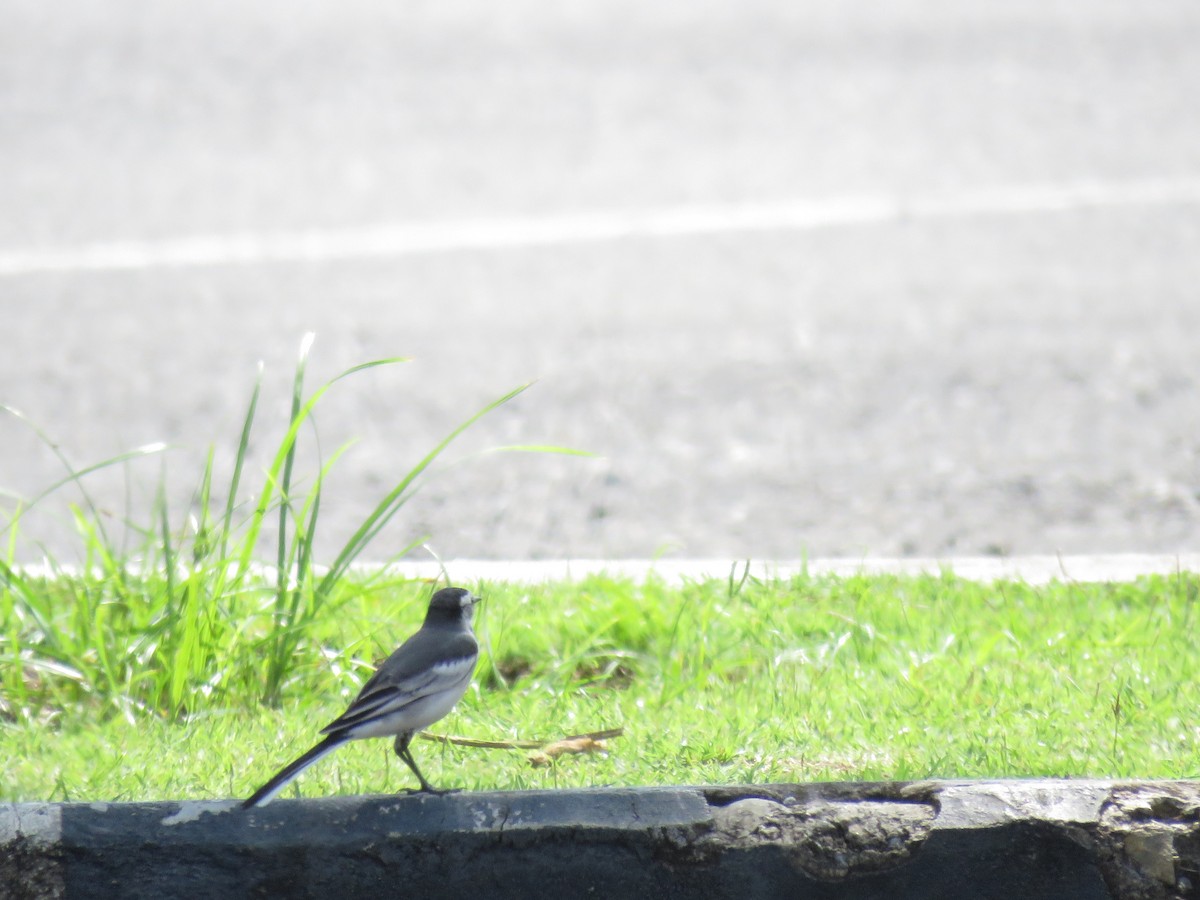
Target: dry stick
(540, 759)
(543, 753)
(520, 745)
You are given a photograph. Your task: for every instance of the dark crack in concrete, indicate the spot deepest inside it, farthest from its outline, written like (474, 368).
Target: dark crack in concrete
(825, 840)
(1148, 841)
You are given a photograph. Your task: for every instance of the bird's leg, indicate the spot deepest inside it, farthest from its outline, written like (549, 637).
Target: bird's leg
(403, 751)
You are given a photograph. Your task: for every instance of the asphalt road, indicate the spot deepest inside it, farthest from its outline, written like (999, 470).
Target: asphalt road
(904, 278)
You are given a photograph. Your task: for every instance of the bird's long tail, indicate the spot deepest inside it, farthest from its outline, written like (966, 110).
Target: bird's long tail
(267, 792)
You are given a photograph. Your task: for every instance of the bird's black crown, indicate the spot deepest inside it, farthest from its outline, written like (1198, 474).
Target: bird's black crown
(450, 605)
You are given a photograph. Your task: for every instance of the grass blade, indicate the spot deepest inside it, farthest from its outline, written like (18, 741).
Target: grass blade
(398, 496)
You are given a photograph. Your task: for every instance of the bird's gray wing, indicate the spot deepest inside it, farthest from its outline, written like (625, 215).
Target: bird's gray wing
(416, 670)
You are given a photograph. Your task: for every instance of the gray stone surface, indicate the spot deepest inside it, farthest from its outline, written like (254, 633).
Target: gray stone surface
(1038, 840)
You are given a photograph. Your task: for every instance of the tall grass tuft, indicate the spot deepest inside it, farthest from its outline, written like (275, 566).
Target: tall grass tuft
(192, 617)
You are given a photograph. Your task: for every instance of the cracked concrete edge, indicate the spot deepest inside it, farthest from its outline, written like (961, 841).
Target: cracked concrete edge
(30, 844)
(1037, 838)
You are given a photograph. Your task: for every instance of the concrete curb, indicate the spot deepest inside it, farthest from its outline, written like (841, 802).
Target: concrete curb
(1028, 839)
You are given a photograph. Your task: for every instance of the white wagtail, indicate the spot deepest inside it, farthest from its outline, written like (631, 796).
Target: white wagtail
(413, 688)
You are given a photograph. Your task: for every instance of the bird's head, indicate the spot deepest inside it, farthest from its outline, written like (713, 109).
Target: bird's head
(451, 605)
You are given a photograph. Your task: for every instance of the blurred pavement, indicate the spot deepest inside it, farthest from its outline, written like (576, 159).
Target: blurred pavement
(905, 279)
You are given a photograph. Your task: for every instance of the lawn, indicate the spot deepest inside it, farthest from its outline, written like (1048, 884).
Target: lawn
(189, 667)
(821, 678)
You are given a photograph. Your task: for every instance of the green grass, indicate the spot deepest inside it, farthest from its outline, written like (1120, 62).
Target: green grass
(178, 622)
(201, 660)
(811, 679)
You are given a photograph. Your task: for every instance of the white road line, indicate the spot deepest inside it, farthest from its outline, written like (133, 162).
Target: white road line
(396, 240)
(1028, 569)
(1037, 569)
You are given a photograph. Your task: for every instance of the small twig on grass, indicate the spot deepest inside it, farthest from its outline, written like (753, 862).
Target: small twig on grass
(545, 757)
(544, 752)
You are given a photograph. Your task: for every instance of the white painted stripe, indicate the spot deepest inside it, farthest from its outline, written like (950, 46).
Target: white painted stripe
(1038, 569)
(406, 239)
(984, 569)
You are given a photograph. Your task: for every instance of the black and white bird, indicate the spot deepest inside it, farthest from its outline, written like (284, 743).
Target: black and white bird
(413, 688)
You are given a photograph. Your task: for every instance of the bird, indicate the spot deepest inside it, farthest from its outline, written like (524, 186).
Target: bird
(414, 687)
